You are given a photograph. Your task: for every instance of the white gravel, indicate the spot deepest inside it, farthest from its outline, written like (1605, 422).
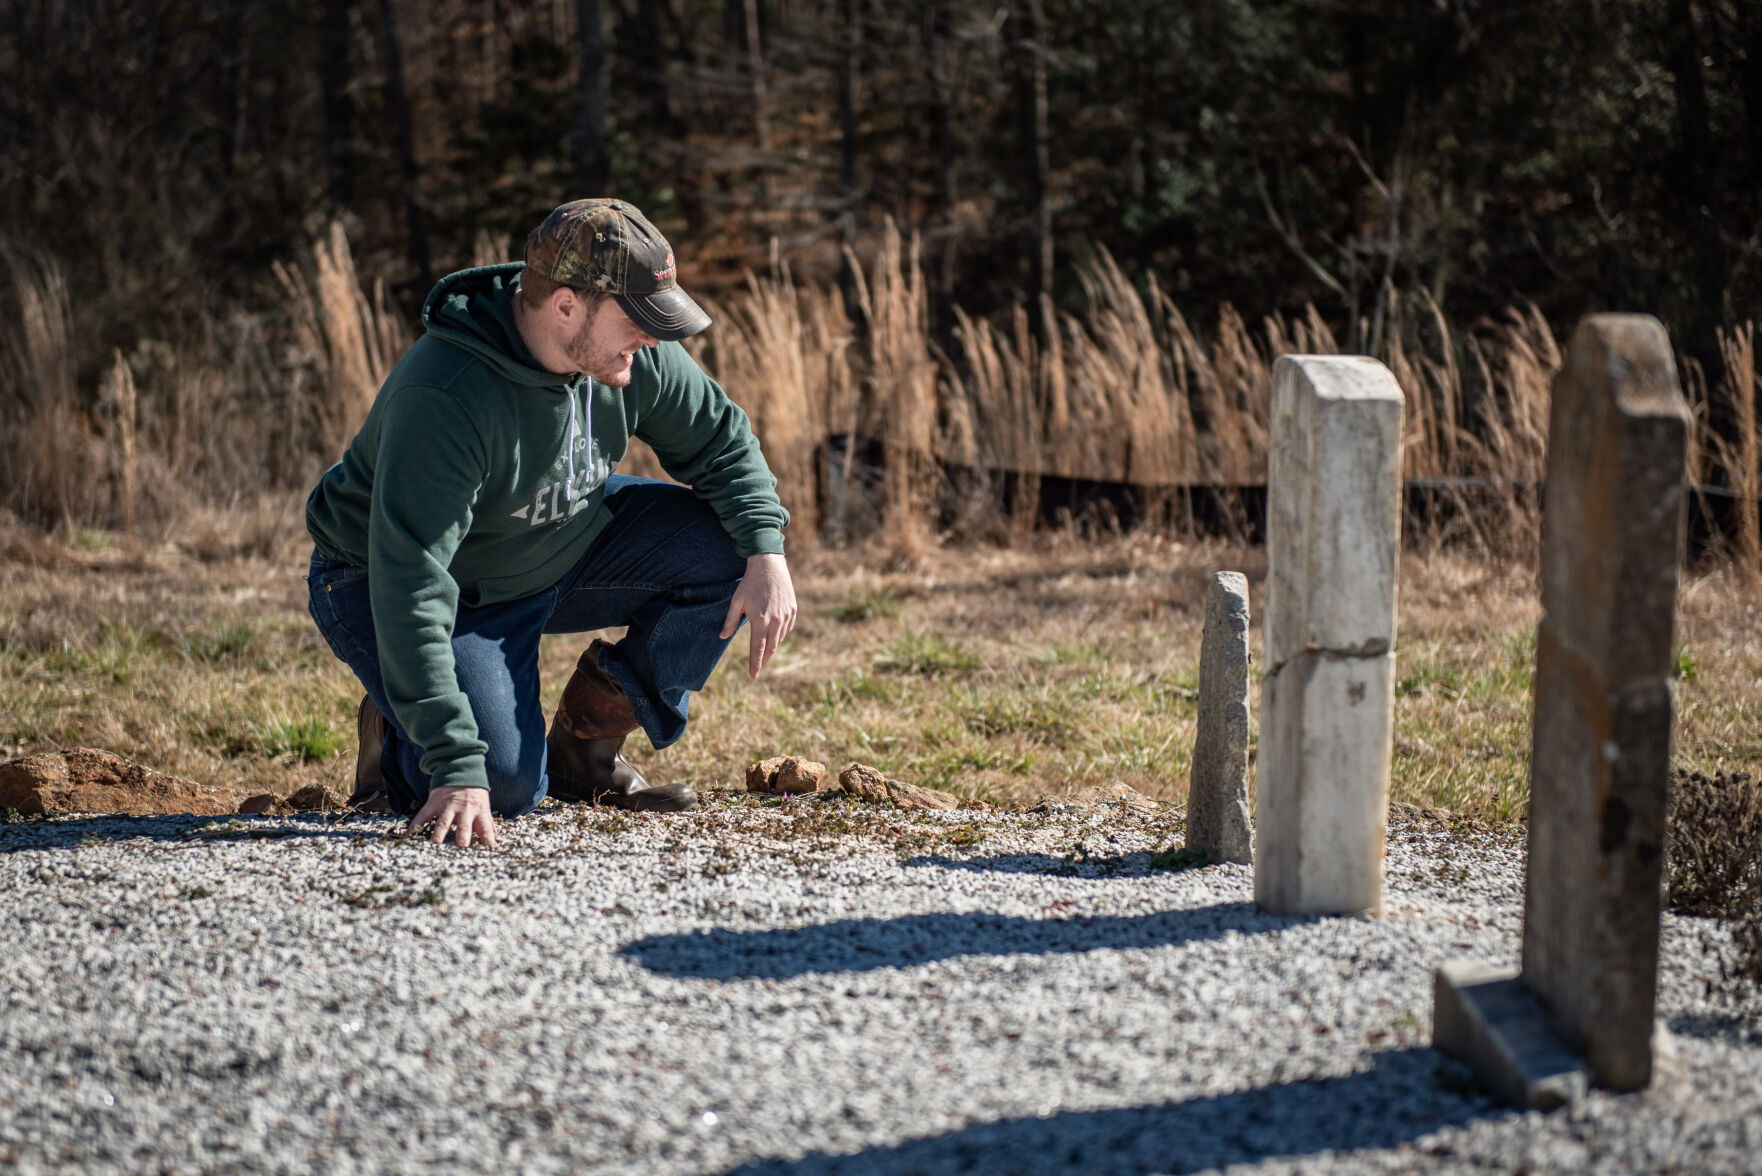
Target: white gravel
(736, 991)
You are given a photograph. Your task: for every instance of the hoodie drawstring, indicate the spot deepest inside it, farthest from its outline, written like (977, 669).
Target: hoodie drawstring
(570, 493)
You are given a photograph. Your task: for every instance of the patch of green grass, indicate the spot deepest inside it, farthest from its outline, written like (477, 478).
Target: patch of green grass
(231, 642)
(831, 694)
(1462, 725)
(952, 769)
(118, 652)
(1040, 717)
(301, 740)
(1067, 654)
(926, 654)
(866, 604)
(89, 539)
(1177, 859)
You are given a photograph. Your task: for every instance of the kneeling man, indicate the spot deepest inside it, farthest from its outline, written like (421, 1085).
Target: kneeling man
(477, 509)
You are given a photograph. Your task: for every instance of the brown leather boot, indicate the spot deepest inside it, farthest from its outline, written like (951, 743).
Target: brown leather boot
(370, 791)
(587, 746)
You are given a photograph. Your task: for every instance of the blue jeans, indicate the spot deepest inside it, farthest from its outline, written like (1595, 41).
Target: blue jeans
(663, 566)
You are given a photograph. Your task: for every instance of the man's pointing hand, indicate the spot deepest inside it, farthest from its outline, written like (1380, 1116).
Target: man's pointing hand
(766, 598)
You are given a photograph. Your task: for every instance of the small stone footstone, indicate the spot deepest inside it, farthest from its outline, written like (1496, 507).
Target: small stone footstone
(1092, 795)
(869, 784)
(1218, 825)
(88, 780)
(787, 773)
(1327, 700)
(1612, 537)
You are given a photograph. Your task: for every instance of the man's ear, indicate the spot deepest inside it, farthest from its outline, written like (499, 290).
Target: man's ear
(564, 308)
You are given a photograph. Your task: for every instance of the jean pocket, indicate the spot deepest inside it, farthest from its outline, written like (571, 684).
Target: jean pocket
(336, 595)
(327, 573)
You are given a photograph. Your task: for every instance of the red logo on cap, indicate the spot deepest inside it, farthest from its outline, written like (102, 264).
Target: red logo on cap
(671, 270)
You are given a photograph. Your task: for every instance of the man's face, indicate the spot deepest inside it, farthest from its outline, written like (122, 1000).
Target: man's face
(605, 344)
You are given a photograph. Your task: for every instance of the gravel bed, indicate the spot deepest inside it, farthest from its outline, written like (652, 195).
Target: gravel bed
(801, 988)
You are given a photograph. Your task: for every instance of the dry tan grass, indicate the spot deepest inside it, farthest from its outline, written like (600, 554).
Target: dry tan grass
(49, 453)
(1741, 458)
(1003, 673)
(1126, 391)
(761, 342)
(900, 387)
(351, 338)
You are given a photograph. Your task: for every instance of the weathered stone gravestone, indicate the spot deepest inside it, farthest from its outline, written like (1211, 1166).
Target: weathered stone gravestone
(1217, 790)
(1333, 535)
(1612, 534)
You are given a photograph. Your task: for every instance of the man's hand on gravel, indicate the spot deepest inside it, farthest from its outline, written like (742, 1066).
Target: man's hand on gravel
(460, 812)
(766, 597)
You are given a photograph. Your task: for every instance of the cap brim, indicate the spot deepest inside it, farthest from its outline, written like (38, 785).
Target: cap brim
(665, 314)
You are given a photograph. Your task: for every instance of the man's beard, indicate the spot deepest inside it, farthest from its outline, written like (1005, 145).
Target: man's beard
(604, 365)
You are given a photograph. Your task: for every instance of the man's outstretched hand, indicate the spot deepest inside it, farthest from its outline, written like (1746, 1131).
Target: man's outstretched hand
(766, 598)
(462, 813)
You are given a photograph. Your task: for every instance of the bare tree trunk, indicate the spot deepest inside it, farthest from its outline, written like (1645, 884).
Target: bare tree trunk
(755, 58)
(1695, 189)
(400, 103)
(653, 47)
(935, 38)
(1027, 21)
(850, 37)
(339, 114)
(593, 173)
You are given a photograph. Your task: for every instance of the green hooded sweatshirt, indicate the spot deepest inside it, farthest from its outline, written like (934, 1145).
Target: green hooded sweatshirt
(479, 477)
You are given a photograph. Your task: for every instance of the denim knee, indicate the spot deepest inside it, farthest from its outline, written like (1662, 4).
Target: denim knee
(514, 792)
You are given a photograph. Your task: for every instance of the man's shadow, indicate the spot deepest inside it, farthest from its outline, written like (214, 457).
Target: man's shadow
(858, 945)
(70, 832)
(1407, 1094)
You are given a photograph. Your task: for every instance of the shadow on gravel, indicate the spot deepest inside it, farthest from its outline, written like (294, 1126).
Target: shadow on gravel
(68, 832)
(1408, 1094)
(860, 945)
(1123, 865)
(1741, 1028)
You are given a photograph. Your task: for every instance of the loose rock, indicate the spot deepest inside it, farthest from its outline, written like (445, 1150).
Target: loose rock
(1093, 795)
(88, 780)
(799, 775)
(867, 783)
(786, 773)
(316, 798)
(265, 804)
(864, 783)
(760, 775)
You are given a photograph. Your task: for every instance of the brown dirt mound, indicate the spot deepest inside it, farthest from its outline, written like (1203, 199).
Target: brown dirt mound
(88, 780)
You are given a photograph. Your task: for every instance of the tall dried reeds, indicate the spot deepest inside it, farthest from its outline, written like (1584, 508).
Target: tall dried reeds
(118, 397)
(1126, 390)
(900, 388)
(350, 338)
(53, 472)
(1741, 457)
(764, 353)
(998, 420)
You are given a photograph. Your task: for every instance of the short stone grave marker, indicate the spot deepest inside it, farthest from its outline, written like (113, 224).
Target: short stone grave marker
(1218, 825)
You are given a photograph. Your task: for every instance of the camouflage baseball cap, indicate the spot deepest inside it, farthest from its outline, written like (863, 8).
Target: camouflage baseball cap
(608, 245)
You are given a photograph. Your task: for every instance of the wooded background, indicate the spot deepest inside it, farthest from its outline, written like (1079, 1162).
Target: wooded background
(1580, 154)
(1266, 155)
